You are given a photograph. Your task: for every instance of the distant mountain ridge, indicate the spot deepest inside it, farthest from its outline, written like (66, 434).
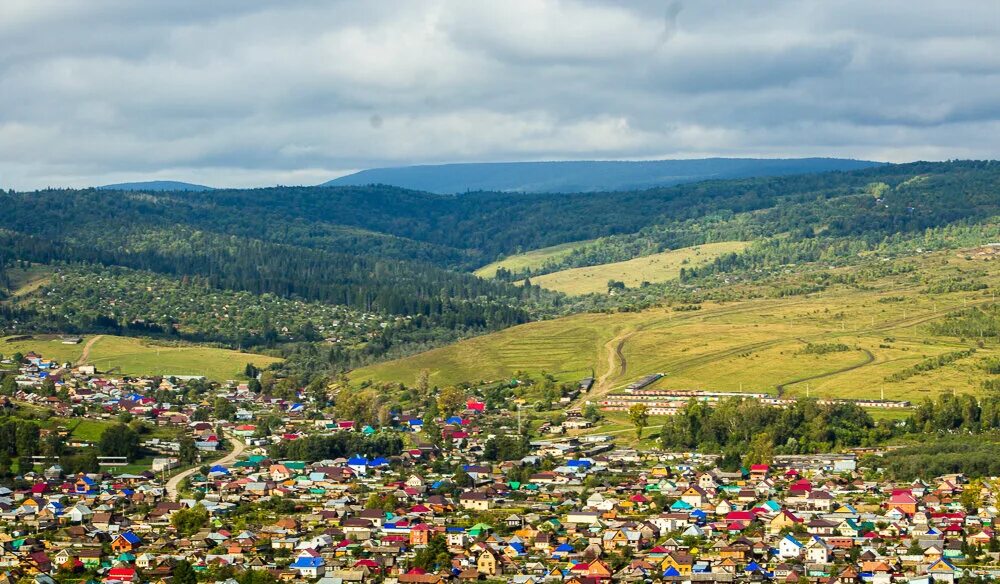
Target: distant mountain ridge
(586, 176)
(156, 185)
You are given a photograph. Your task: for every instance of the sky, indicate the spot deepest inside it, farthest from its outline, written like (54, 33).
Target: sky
(255, 93)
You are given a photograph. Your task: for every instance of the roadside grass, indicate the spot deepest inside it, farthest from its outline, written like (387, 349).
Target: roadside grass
(532, 259)
(654, 268)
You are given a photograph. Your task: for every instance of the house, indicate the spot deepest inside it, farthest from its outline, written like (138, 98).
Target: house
(489, 563)
(475, 500)
(818, 551)
(789, 547)
(309, 564)
(125, 542)
(677, 563)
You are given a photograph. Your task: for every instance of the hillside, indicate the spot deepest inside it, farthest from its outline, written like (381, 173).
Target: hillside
(585, 176)
(156, 185)
(530, 260)
(654, 268)
(283, 268)
(881, 313)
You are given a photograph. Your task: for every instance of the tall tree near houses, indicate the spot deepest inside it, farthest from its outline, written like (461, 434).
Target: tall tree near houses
(639, 415)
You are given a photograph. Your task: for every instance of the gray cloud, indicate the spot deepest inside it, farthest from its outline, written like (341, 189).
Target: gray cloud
(295, 92)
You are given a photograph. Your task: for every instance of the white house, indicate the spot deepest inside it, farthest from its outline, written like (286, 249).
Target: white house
(789, 547)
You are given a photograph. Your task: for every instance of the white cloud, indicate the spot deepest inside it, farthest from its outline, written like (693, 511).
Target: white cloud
(242, 93)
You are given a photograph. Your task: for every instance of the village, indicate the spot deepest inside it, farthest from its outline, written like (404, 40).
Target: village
(279, 491)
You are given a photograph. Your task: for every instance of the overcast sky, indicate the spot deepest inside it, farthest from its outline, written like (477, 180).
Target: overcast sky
(251, 93)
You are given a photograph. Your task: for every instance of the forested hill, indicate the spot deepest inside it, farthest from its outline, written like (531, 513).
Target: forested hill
(389, 250)
(156, 185)
(407, 255)
(585, 176)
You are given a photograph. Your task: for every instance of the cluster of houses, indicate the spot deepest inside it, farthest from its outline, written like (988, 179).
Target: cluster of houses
(580, 510)
(623, 516)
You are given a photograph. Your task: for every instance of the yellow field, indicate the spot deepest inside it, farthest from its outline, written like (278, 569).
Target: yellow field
(133, 356)
(530, 260)
(654, 268)
(754, 345)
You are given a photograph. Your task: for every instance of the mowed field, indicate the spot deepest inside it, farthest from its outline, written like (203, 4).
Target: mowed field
(530, 260)
(133, 356)
(654, 268)
(754, 345)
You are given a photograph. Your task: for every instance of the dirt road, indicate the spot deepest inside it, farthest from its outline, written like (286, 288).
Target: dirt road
(173, 484)
(85, 355)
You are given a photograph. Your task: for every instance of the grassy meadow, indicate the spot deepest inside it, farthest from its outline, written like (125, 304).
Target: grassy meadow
(750, 345)
(530, 260)
(132, 356)
(654, 268)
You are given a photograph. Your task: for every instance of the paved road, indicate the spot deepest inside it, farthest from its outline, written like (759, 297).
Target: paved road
(174, 483)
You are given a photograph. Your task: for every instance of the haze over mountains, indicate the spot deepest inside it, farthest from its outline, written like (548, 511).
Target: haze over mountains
(156, 185)
(582, 176)
(585, 175)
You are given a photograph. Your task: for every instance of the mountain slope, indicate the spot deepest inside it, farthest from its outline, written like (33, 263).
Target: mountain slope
(585, 176)
(156, 185)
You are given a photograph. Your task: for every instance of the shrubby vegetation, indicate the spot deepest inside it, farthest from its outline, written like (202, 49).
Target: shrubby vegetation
(973, 323)
(735, 427)
(339, 445)
(823, 348)
(957, 454)
(747, 431)
(930, 364)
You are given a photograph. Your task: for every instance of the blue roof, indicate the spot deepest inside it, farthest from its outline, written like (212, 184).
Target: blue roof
(454, 420)
(130, 537)
(671, 572)
(585, 463)
(564, 548)
(380, 461)
(416, 422)
(793, 540)
(307, 563)
(219, 468)
(358, 460)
